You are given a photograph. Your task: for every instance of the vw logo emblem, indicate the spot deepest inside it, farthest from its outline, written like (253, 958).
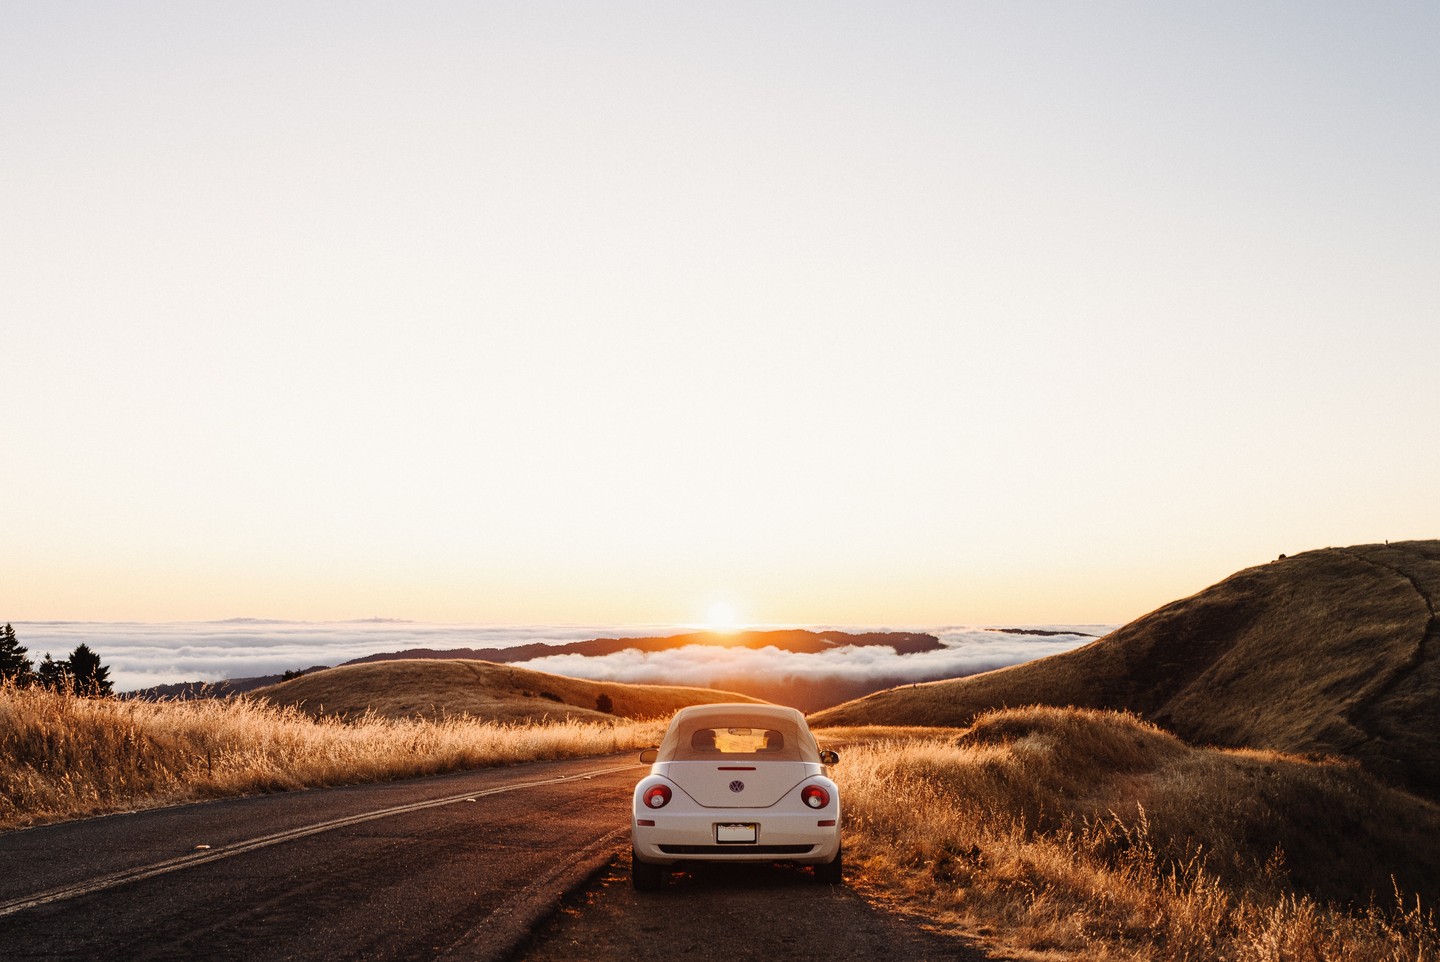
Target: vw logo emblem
(737, 786)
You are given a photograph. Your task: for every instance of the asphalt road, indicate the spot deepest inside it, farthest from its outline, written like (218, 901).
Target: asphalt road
(744, 913)
(454, 867)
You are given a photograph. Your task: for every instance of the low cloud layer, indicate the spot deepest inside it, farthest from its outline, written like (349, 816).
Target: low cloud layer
(141, 655)
(851, 670)
(144, 654)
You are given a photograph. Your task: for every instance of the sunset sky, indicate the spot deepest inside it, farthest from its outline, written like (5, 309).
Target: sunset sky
(840, 313)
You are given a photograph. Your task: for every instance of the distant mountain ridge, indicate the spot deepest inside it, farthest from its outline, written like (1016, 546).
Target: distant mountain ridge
(183, 690)
(798, 640)
(1334, 651)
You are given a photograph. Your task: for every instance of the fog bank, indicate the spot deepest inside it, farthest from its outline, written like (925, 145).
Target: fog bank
(144, 654)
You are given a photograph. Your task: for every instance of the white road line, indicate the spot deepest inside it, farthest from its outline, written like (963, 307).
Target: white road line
(264, 841)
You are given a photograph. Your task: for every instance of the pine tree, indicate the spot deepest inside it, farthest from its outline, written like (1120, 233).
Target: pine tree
(87, 675)
(54, 675)
(15, 665)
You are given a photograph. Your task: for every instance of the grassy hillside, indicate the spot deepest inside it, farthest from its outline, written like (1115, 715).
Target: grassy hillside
(797, 691)
(1334, 651)
(479, 689)
(62, 756)
(1077, 834)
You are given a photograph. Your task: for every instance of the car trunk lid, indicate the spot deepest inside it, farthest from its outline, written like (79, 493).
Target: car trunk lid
(736, 784)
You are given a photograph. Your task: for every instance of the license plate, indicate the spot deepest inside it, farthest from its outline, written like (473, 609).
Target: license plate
(737, 834)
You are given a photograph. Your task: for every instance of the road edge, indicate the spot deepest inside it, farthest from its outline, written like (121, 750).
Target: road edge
(504, 932)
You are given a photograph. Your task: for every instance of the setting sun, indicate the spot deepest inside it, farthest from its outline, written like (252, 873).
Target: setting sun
(722, 618)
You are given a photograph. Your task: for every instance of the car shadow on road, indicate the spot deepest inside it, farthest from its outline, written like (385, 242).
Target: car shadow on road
(734, 913)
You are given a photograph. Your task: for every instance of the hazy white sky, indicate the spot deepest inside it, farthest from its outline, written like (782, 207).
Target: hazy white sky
(607, 312)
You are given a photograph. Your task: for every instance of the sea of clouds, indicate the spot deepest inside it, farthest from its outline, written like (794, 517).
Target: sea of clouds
(144, 654)
(966, 651)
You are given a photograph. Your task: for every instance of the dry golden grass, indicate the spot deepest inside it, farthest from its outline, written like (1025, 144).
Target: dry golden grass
(66, 757)
(1075, 834)
(1063, 834)
(440, 688)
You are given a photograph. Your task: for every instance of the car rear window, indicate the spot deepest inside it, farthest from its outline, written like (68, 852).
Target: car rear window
(719, 741)
(737, 741)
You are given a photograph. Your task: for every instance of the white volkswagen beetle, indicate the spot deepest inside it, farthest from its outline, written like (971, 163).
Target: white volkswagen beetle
(736, 783)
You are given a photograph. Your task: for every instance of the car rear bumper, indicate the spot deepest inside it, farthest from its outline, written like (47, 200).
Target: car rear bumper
(798, 837)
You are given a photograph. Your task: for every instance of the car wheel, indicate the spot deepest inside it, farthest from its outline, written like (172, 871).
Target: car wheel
(830, 872)
(644, 876)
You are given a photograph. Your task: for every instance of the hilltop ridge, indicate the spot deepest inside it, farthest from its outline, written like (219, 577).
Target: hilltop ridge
(1333, 651)
(437, 688)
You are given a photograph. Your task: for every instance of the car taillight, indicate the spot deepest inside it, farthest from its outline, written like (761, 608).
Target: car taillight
(657, 796)
(815, 796)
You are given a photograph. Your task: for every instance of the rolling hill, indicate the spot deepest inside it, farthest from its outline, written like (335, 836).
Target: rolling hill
(1334, 651)
(796, 689)
(803, 693)
(433, 688)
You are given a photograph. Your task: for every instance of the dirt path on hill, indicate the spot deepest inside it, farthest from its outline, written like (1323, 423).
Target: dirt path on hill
(737, 913)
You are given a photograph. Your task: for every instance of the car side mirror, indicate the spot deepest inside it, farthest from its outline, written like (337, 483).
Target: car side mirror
(828, 757)
(649, 755)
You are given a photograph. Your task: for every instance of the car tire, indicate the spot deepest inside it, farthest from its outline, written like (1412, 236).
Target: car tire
(644, 876)
(831, 872)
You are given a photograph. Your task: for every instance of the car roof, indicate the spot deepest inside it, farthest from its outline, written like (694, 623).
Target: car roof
(799, 743)
(723, 710)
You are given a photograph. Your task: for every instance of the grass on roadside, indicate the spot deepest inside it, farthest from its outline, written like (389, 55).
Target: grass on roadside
(67, 757)
(1073, 834)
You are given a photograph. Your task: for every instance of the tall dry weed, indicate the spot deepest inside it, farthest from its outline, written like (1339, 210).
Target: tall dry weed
(62, 756)
(1093, 835)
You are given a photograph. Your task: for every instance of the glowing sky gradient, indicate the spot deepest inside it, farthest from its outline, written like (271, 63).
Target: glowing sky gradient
(854, 313)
